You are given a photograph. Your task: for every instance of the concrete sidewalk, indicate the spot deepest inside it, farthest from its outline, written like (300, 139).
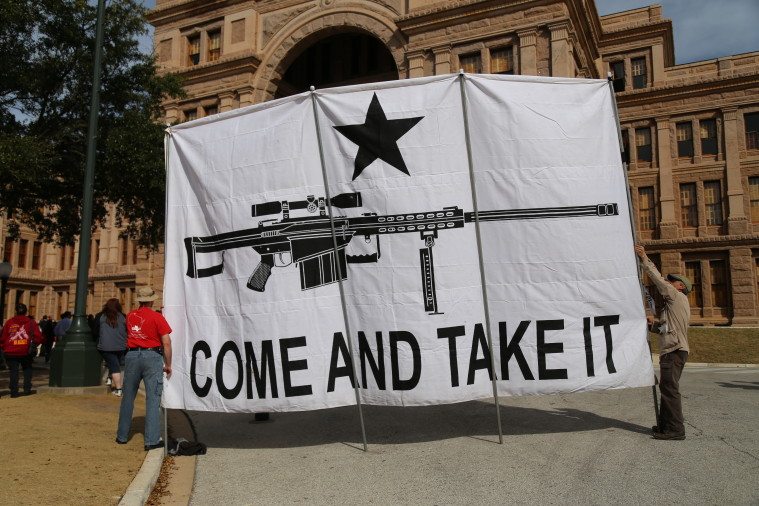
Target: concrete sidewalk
(580, 448)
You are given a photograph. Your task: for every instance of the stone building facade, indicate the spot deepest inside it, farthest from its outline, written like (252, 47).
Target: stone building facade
(691, 131)
(44, 275)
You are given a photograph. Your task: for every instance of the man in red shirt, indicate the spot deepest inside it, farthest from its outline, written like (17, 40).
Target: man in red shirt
(19, 337)
(148, 357)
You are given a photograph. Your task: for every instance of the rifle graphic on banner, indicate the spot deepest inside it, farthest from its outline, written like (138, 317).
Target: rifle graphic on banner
(308, 240)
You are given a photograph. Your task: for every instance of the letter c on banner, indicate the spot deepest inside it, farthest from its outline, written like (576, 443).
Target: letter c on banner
(228, 393)
(199, 391)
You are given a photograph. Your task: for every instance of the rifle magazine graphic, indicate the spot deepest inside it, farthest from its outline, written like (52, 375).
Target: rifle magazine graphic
(322, 269)
(428, 280)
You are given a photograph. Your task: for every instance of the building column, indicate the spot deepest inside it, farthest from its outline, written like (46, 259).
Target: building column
(737, 223)
(697, 149)
(64, 302)
(701, 205)
(442, 60)
(657, 64)
(668, 224)
(743, 287)
(226, 101)
(601, 68)
(109, 240)
(246, 96)
(74, 263)
(415, 64)
(561, 54)
(528, 52)
(628, 74)
(171, 114)
(707, 297)
(52, 259)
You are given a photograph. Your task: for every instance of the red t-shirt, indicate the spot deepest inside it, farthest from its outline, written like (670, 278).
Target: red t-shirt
(145, 328)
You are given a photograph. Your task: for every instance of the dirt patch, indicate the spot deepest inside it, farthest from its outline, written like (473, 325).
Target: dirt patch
(719, 345)
(161, 490)
(62, 448)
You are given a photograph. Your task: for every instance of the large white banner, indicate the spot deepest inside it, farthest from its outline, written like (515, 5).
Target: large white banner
(386, 193)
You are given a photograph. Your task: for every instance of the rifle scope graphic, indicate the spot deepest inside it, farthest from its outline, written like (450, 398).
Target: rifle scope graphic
(311, 204)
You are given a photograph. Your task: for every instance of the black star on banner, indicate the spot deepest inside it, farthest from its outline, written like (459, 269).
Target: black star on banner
(377, 137)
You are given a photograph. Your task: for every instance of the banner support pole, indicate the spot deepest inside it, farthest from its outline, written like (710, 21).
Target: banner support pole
(338, 266)
(166, 155)
(486, 304)
(633, 227)
(165, 433)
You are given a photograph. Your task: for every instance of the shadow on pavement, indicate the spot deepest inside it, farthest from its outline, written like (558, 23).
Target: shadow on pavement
(747, 385)
(393, 425)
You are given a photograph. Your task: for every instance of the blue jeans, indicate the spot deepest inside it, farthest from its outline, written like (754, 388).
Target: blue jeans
(145, 365)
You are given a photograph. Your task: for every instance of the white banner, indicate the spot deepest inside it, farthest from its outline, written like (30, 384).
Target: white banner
(262, 223)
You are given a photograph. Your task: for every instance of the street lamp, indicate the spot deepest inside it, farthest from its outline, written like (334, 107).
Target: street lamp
(5, 273)
(76, 362)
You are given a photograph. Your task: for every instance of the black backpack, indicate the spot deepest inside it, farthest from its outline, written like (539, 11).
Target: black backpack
(182, 446)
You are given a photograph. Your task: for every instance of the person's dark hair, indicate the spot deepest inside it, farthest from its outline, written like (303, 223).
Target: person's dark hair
(66, 314)
(21, 308)
(111, 310)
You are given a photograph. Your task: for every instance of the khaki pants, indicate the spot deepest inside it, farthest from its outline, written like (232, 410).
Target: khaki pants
(671, 415)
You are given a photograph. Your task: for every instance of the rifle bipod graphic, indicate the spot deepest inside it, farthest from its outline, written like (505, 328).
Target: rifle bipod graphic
(307, 240)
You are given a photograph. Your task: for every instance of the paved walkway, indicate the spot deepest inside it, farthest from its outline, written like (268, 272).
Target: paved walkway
(579, 448)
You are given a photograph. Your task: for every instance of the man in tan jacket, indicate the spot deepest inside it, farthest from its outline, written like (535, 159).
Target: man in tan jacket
(673, 346)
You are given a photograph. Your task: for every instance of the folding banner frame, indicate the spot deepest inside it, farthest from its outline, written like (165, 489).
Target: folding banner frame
(166, 146)
(633, 227)
(470, 162)
(339, 267)
(462, 86)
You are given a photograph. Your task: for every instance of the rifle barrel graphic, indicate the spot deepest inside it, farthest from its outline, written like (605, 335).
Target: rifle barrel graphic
(308, 240)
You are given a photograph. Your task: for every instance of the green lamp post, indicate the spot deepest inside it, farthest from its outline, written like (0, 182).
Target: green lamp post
(75, 361)
(5, 273)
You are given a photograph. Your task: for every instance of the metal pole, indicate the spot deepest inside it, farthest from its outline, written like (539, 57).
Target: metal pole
(77, 362)
(165, 433)
(633, 227)
(89, 176)
(3, 283)
(339, 267)
(486, 305)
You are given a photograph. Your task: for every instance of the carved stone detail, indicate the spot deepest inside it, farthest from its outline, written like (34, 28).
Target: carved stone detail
(275, 21)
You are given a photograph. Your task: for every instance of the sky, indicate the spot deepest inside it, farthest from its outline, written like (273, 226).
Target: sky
(703, 29)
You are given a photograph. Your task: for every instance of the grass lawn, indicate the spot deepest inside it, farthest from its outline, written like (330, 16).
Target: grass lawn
(724, 345)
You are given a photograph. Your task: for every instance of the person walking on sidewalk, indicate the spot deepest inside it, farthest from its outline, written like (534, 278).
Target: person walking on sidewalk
(48, 336)
(148, 357)
(62, 326)
(673, 346)
(111, 334)
(19, 340)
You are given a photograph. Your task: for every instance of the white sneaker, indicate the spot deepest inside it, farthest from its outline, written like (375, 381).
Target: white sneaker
(117, 392)
(108, 381)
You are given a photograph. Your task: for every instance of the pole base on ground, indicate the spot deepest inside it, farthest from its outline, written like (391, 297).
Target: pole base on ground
(75, 361)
